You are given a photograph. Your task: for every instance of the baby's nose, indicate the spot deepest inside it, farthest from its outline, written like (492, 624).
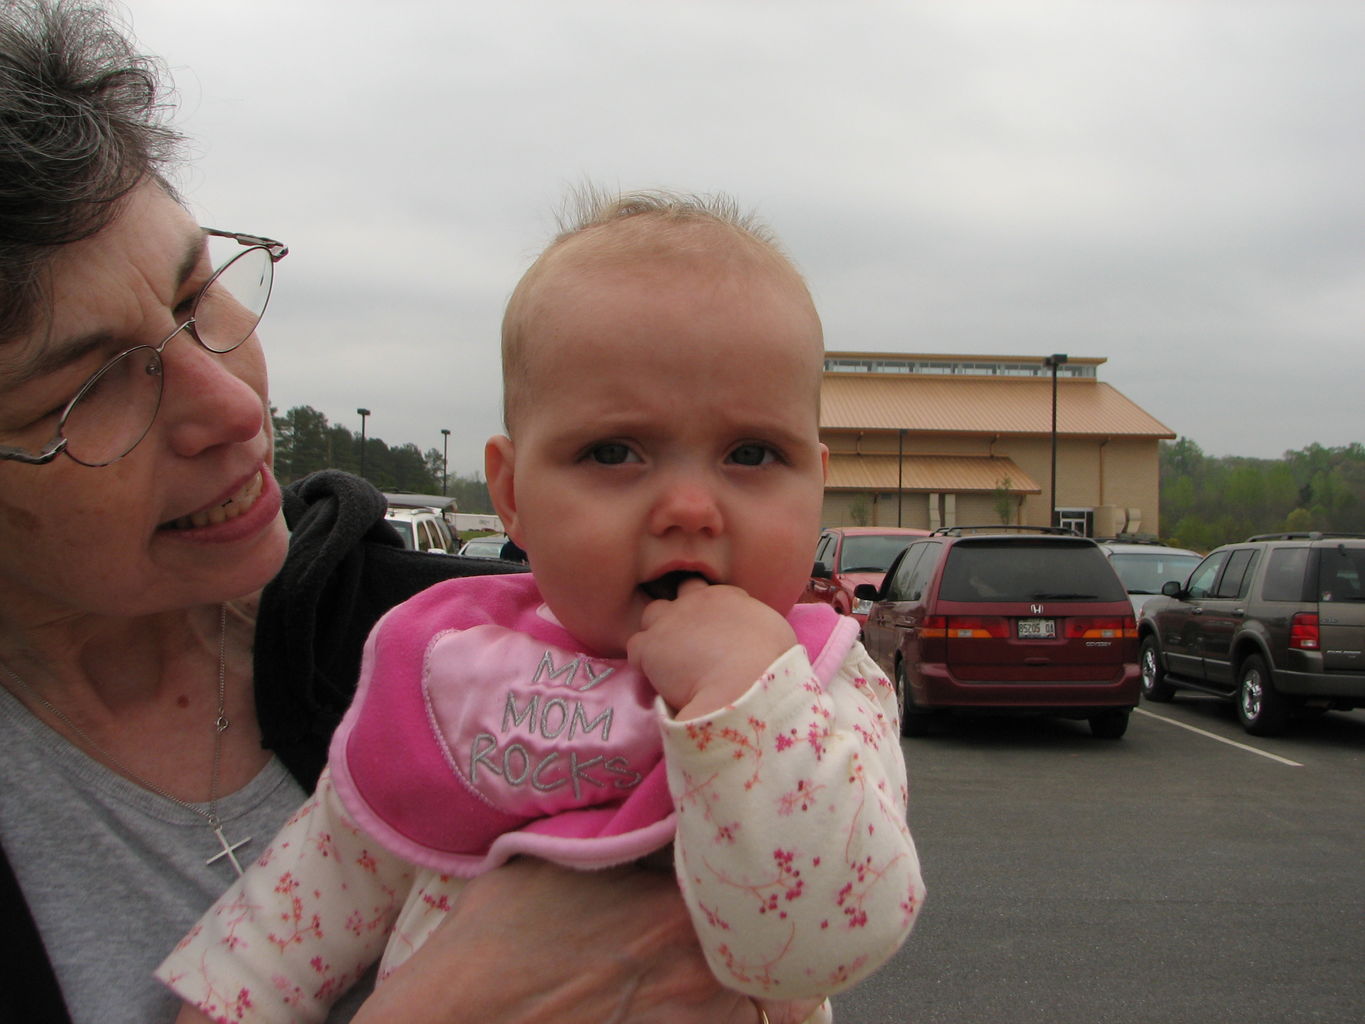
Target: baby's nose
(688, 504)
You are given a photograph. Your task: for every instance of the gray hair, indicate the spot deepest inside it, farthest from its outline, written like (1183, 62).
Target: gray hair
(82, 123)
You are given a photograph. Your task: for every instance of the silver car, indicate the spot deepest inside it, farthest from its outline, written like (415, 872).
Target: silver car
(1143, 568)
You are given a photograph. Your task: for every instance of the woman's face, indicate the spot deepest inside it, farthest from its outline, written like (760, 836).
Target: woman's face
(191, 515)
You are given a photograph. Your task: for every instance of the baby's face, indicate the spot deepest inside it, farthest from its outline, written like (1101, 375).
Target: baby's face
(670, 427)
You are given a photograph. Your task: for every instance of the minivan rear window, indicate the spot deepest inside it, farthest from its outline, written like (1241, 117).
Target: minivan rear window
(1013, 571)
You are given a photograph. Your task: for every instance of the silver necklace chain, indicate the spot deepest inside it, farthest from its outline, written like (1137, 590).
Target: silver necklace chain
(220, 726)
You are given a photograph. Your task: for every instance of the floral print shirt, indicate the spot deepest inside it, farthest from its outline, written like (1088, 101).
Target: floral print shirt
(789, 844)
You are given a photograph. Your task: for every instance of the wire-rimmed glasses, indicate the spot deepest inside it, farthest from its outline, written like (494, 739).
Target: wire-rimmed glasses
(115, 407)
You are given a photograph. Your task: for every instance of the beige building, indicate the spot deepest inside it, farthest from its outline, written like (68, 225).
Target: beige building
(939, 440)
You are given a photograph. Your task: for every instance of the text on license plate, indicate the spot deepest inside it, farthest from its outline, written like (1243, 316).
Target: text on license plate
(1037, 629)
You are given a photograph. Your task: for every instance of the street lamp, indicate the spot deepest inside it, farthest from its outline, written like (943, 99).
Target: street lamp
(1055, 360)
(363, 414)
(445, 459)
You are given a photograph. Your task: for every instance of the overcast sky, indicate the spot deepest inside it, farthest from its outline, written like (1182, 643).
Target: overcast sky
(1175, 185)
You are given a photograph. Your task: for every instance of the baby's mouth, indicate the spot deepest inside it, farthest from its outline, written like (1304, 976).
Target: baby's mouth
(665, 587)
(230, 509)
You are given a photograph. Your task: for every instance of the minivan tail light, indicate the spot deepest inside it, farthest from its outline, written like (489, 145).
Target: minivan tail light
(1107, 628)
(1303, 632)
(934, 627)
(975, 627)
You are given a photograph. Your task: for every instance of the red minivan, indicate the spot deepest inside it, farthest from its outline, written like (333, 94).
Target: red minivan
(987, 618)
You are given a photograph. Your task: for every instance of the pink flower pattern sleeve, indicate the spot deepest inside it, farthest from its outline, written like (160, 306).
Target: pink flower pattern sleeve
(792, 849)
(307, 920)
(792, 853)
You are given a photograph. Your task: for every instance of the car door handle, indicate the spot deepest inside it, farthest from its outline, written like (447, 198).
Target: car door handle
(1238, 612)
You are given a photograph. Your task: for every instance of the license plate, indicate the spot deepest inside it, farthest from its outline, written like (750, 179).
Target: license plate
(1037, 629)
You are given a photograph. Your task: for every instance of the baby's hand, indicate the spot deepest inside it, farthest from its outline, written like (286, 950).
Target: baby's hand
(703, 649)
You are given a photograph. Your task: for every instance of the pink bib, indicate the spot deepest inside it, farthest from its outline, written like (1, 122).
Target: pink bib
(480, 730)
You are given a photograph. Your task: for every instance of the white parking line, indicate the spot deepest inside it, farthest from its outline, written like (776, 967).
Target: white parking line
(1221, 739)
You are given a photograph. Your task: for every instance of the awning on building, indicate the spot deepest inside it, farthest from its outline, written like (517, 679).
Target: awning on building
(948, 474)
(1003, 406)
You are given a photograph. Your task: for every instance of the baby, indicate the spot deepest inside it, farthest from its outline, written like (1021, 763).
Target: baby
(652, 681)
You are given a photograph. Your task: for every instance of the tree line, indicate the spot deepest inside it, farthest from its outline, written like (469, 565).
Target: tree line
(1207, 501)
(306, 442)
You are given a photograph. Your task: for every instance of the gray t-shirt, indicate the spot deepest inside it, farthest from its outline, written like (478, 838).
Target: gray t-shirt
(115, 875)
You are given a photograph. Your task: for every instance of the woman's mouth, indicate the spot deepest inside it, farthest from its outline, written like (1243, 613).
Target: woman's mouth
(229, 509)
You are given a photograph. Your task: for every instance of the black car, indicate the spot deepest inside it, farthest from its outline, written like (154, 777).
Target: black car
(1276, 624)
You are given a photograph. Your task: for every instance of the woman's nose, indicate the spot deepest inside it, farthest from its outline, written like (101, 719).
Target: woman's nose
(209, 399)
(686, 502)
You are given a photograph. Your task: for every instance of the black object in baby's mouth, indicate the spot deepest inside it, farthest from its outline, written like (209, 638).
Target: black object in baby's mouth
(665, 588)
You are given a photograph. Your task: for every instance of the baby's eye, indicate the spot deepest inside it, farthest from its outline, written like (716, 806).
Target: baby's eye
(753, 454)
(613, 453)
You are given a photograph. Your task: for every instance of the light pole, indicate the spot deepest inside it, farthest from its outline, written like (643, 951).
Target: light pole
(1055, 360)
(363, 413)
(445, 459)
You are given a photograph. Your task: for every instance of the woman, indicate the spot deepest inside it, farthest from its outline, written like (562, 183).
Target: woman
(144, 754)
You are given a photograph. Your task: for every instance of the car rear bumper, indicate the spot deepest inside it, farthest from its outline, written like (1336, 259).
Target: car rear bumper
(939, 688)
(1321, 684)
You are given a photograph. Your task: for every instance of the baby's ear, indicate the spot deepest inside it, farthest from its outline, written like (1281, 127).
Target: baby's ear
(499, 465)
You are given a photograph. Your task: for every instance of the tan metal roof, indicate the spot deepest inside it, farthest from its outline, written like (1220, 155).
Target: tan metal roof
(981, 405)
(953, 473)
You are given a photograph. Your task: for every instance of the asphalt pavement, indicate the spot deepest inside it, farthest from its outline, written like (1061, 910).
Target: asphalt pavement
(1185, 874)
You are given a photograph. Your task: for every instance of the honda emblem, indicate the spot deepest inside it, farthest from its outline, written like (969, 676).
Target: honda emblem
(1036, 609)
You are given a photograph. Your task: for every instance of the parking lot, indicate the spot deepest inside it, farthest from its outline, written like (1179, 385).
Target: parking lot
(1186, 873)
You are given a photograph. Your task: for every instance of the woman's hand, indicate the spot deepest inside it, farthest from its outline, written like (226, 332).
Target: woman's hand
(532, 943)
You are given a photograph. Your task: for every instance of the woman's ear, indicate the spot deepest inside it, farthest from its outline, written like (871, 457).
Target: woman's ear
(499, 470)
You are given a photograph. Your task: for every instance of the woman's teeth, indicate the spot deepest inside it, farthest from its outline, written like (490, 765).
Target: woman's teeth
(230, 509)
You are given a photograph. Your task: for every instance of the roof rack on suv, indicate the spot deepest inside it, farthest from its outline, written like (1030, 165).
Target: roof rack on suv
(1288, 611)
(957, 531)
(1306, 535)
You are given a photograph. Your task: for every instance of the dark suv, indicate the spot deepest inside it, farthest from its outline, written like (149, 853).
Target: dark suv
(1006, 620)
(1276, 624)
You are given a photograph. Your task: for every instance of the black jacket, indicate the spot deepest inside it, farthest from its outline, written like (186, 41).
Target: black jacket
(344, 569)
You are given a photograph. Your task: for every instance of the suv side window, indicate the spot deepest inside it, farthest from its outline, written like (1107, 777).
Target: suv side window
(447, 539)
(1206, 573)
(1284, 574)
(426, 541)
(1237, 576)
(1341, 574)
(901, 586)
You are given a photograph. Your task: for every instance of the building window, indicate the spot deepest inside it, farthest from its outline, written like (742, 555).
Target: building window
(965, 365)
(1081, 520)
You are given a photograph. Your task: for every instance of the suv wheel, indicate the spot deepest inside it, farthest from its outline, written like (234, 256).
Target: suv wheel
(1154, 685)
(1262, 709)
(913, 720)
(1109, 725)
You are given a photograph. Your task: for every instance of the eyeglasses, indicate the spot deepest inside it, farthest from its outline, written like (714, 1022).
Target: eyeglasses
(115, 407)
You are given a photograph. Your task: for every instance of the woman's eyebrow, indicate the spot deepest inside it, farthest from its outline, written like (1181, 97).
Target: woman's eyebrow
(63, 354)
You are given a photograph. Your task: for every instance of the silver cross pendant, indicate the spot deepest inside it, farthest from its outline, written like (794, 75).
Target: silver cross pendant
(229, 849)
